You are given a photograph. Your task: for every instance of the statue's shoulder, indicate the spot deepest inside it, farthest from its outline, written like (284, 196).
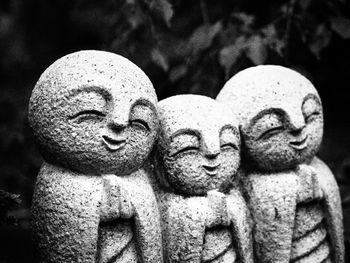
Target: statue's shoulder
(256, 181)
(324, 173)
(320, 165)
(56, 175)
(58, 183)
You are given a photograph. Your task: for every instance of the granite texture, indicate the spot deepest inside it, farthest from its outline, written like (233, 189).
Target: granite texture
(94, 118)
(204, 216)
(292, 195)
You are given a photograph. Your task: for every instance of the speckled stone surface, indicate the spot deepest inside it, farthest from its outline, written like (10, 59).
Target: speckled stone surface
(292, 195)
(204, 216)
(94, 117)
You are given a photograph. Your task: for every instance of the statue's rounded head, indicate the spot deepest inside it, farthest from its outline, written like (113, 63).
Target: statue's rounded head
(94, 112)
(280, 116)
(199, 145)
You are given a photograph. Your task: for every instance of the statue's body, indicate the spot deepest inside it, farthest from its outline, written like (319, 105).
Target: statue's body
(205, 218)
(94, 118)
(293, 196)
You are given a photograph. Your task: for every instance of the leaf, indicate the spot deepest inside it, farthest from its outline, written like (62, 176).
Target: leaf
(229, 54)
(246, 20)
(256, 50)
(273, 40)
(341, 26)
(177, 73)
(161, 9)
(159, 59)
(203, 36)
(320, 40)
(269, 31)
(278, 45)
(7, 202)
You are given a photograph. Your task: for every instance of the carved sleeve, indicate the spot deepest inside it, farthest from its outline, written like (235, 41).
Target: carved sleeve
(115, 200)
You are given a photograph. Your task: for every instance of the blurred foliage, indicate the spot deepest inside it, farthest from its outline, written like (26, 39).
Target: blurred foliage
(8, 202)
(184, 47)
(195, 47)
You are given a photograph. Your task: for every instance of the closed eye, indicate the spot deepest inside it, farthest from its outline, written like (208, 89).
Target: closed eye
(87, 113)
(267, 134)
(184, 150)
(312, 115)
(229, 145)
(141, 123)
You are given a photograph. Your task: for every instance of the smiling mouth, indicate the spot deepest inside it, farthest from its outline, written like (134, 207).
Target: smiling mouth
(211, 169)
(114, 144)
(299, 145)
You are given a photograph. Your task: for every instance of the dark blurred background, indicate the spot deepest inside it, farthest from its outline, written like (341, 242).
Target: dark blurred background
(184, 47)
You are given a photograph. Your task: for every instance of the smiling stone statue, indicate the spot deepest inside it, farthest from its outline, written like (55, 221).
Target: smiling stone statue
(205, 218)
(293, 196)
(93, 115)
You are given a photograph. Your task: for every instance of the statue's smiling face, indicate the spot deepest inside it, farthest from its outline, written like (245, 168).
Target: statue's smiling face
(199, 144)
(97, 122)
(281, 138)
(280, 116)
(107, 130)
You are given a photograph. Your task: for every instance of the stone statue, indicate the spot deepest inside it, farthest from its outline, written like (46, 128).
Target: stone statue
(293, 196)
(93, 115)
(204, 216)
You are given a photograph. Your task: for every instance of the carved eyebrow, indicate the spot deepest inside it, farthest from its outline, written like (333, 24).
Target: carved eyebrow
(229, 127)
(144, 102)
(95, 89)
(313, 97)
(185, 132)
(262, 113)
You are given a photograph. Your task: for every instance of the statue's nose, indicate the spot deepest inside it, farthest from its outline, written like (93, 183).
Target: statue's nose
(211, 147)
(297, 124)
(118, 121)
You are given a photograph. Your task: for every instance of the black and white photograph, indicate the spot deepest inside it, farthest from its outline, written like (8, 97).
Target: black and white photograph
(169, 131)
